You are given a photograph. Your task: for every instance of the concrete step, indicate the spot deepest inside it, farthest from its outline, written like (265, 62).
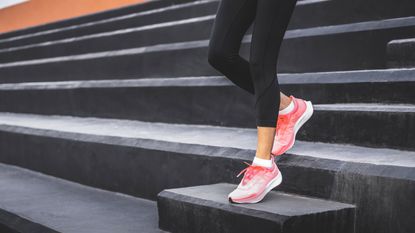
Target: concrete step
(164, 15)
(165, 32)
(401, 53)
(33, 202)
(332, 12)
(206, 209)
(189, 29)
(310, 13)
(90, 18)
(376, 101)
(342, 42)
(124, 156)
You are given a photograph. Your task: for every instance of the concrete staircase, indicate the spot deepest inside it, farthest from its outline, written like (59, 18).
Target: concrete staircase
(116, 122)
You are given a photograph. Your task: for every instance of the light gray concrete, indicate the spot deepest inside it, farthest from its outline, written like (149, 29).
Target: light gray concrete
(70, 207)
(353, 76)
(275, 202)
(229, 137)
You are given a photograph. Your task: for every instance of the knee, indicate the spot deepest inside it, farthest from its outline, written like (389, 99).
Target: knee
(216, 58)
(220, 59)
(256, 66)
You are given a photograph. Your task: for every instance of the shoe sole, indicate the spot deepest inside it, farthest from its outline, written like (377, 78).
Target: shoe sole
(303, 119)
(271, 185)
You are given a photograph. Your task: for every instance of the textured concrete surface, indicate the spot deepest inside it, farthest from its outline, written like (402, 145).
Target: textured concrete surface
(401, 53)
(277, 212)
(213, 101)
(297, 33)
(275, 203)
(335, 77)
(345, 44)
(92, 19)
(67, 207)
(124, 156)
(217, 136)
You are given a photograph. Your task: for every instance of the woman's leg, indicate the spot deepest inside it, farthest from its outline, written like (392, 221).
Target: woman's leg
(233, 18)
(258, 76)
(271, 22)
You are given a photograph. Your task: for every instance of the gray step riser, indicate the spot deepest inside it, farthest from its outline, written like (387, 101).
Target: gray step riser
(132, 22)
(14, 223)
(151, 5)
(173, 209)
(199, 105)
(334, 12)
(101, 163)
(144, 20)
(295, 50)
(335, 52)
(344, 51)
(130, 96)
(177, 33)
(401, 53)
(373, 129)
(155, 64)
(305, 15)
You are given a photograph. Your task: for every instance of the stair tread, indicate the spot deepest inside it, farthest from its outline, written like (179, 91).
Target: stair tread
(275, 202)
(290, 34)
(183, 137)
(98, 22)
(331, 77)
(66, 206)
(293, 33)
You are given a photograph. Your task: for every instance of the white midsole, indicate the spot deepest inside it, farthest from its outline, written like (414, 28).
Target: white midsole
(303, 119)
(274, 183)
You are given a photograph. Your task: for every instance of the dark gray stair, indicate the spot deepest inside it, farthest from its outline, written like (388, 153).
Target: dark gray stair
(199, 28)
(307, 14)
(205, 209)
(401, 53)
(175, 12)
(99, 16)
(332, 12)
(338, 97)
(124, 156)
(165, 32)
(363, 86)
(340, 47)
(32, 202)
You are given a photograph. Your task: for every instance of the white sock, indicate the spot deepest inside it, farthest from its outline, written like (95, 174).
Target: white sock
(288, 109)
(262, 162)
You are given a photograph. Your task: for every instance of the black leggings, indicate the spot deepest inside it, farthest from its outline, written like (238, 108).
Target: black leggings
(259, 75)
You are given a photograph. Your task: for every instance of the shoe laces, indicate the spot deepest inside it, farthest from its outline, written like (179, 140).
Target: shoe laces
(251, 170)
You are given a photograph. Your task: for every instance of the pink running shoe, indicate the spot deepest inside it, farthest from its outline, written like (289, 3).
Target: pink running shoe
(289, 124)
(256, 183)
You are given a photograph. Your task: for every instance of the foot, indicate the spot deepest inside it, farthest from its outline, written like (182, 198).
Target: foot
(256, 183)
(289, 124)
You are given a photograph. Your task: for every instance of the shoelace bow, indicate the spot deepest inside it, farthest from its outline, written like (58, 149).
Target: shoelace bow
(251, 170)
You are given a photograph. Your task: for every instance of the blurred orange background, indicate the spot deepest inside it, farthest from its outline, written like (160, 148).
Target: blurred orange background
(36, 12)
